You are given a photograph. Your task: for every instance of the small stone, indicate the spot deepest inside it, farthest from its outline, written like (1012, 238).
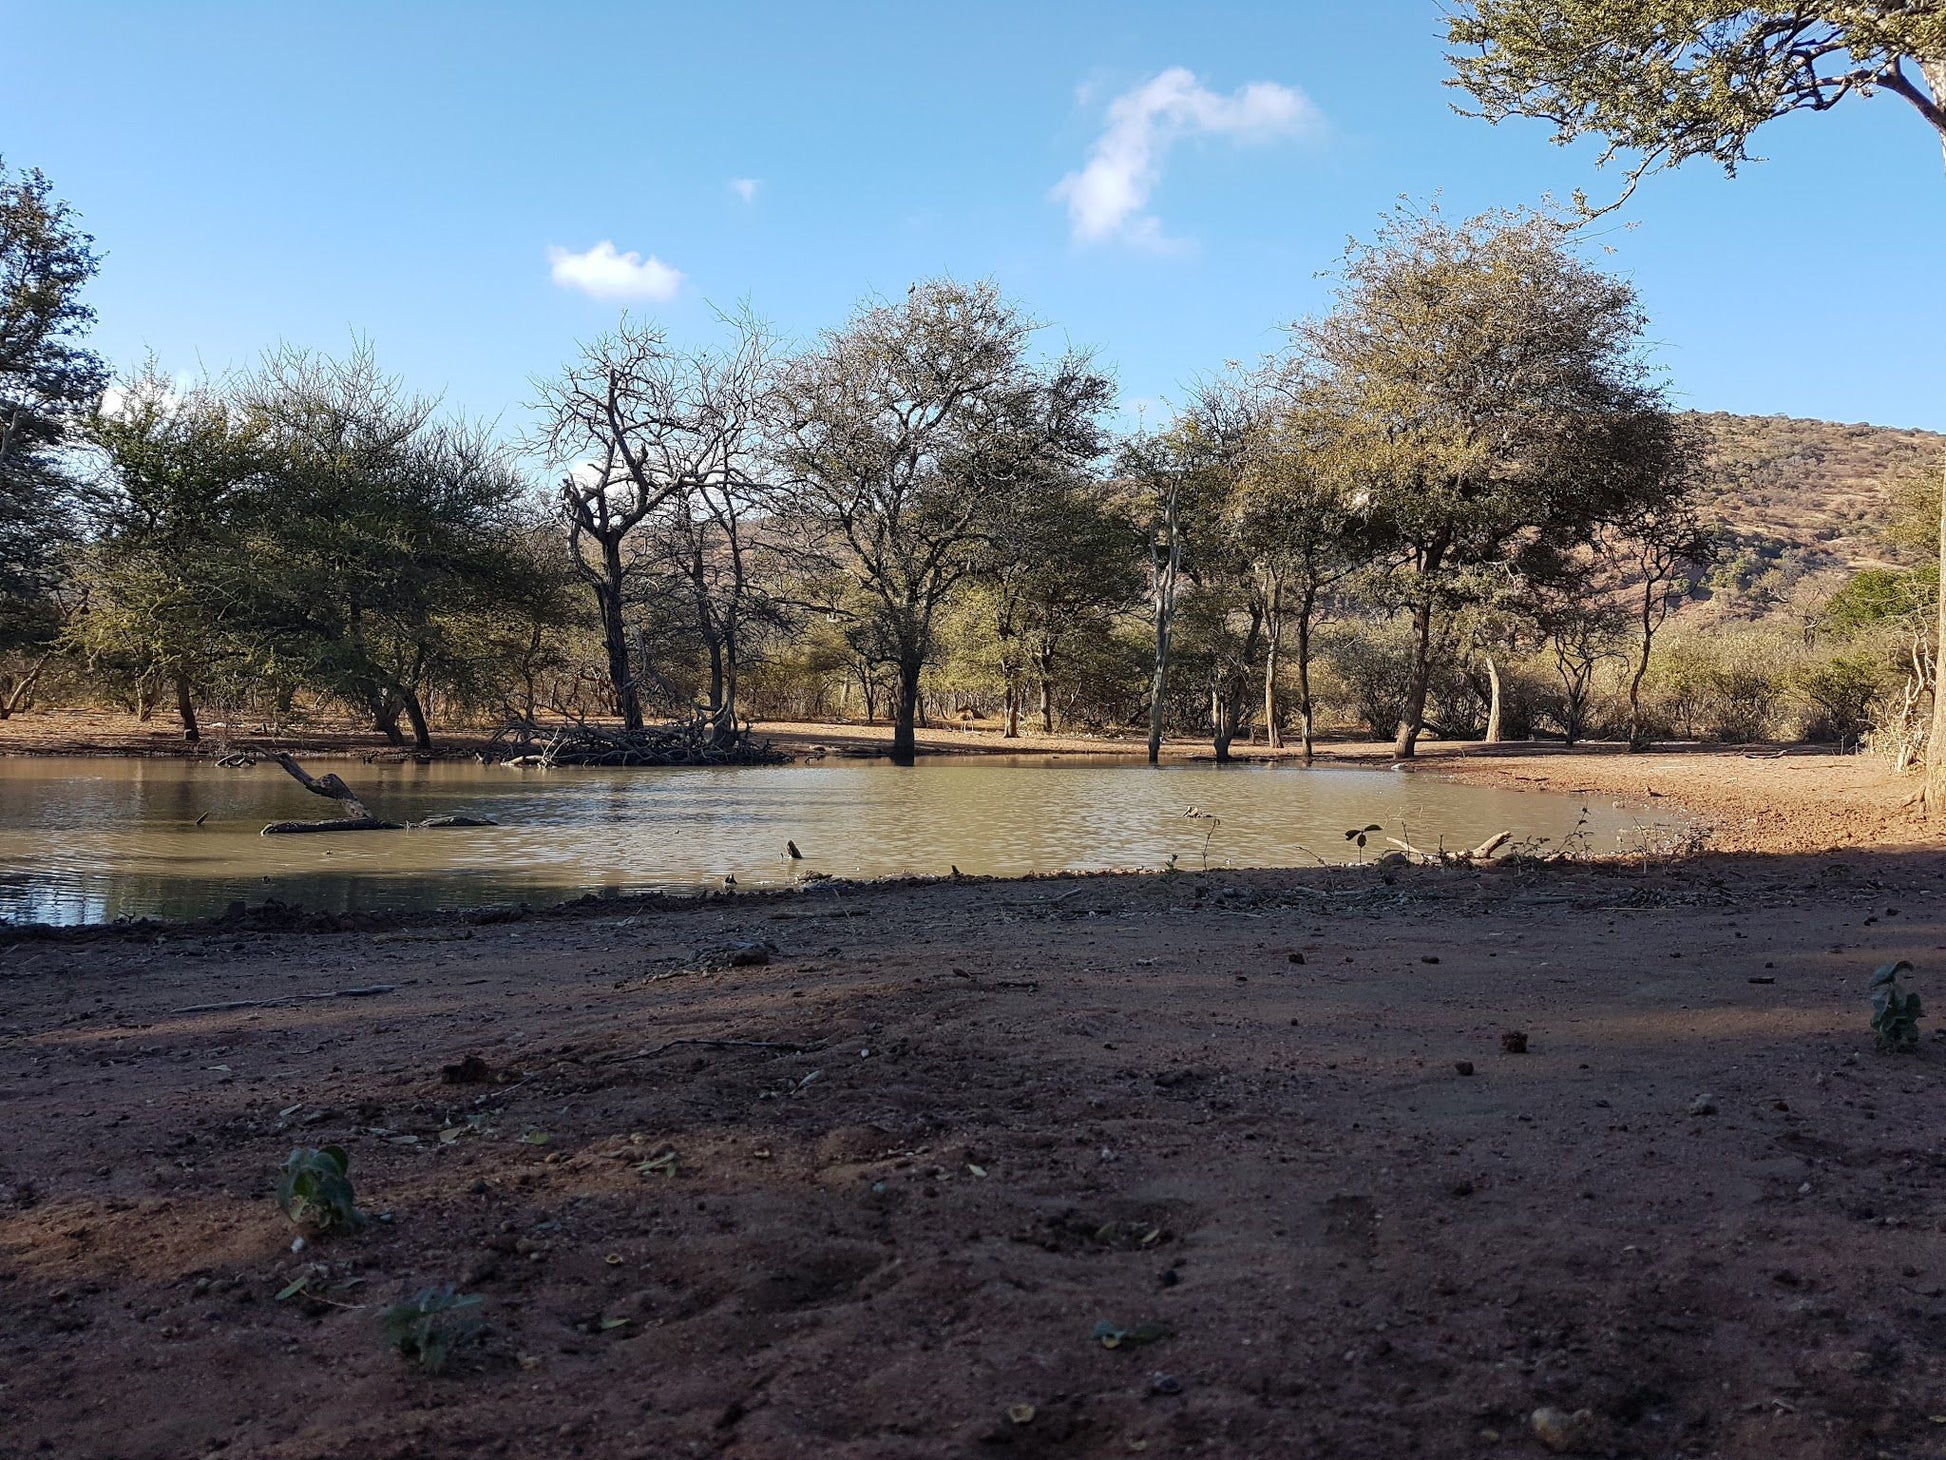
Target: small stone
(1464, 1067)
(1564, 1433)
(1297, 958)
(1703, 1105)
(1514, 1041)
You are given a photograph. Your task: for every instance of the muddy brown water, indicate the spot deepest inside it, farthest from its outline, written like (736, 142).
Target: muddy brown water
(89, 840)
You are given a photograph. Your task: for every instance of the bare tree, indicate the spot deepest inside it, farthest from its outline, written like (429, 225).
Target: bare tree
(1663, 545)
(638, 426)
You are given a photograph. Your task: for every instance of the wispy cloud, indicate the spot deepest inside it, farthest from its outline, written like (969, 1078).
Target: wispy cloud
(746, 187)
(605, 273)
(1106, 198)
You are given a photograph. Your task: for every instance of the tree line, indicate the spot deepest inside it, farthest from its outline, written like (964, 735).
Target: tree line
(1465, 460)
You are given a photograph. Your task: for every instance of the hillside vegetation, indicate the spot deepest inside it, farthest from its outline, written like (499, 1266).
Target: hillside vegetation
(1825, 492)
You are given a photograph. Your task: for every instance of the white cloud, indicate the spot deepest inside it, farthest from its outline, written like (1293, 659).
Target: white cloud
(746, 187)
(606, 274)
(1105, 199)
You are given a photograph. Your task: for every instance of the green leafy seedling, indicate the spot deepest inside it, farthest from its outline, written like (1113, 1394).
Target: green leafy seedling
(1358, 835)
(429, 1327)
(1895, 1011)
(314, 1191)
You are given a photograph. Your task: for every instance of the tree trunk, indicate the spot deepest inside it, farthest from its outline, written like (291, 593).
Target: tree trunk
(1935, 794)
(1046, 668)
(22, 693)
(1305, 710)
(186, 709)
(385, 716)
(905, 741)
(1222, 726)
(1012, 731)
(416, 713)
(1413, 720)
(1164, 573)
(1934, 70)
(614, 634)
(1274, 627)
(1493, 701)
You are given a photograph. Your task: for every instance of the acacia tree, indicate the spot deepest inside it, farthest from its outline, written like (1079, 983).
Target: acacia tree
(181, 476)
(1063, 564)
(1294, 516)
(1175, 485)
(381, 538)
(1674, 80)
(905, 437)
(637, 426)
(1495, 387)
(49, 382)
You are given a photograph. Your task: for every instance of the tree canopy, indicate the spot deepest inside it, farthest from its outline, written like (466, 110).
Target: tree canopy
(1673, 80)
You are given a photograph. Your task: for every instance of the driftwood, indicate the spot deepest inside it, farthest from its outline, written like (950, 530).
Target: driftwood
(355, 817)
(1482, 853)
(622, 1059)
(697, 741)
(367, 992)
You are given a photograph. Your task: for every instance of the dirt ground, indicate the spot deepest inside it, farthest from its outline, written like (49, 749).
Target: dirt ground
(978, 1121)
(1235, 1165)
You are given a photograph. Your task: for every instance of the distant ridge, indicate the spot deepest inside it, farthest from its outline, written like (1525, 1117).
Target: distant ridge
(1830, 491)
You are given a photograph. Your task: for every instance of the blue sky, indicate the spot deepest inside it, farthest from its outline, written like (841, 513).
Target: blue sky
(258, 173)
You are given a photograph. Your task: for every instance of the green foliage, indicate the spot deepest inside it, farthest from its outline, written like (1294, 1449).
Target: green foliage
(1673, 80)
(1494, 383)
(911, 439)
(48, 381)
(1841, 690)
(1875, 596)
(429, 1327)
(314, 1191)
(1895, 1011)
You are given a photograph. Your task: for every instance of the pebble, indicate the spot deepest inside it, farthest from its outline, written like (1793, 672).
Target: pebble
(1564, 1433)
(1703, 1105)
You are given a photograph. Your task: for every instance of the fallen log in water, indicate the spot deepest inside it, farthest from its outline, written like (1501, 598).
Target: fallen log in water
(355, 817)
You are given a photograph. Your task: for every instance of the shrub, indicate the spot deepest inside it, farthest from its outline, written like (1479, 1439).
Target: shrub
(315, 1192)
(431, 1325)
(1840, 692)
(1895, 1012)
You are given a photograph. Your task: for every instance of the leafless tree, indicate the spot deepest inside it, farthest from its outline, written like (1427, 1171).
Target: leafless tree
(639, 427)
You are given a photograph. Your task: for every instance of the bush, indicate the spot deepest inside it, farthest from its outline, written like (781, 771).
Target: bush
(1840, 692)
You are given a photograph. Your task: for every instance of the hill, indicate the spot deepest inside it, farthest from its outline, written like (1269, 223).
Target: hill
(1823, 493)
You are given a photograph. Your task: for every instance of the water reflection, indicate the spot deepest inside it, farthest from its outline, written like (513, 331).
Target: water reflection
(91, 840)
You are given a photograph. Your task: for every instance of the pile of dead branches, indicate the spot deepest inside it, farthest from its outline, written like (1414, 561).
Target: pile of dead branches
(696, 742)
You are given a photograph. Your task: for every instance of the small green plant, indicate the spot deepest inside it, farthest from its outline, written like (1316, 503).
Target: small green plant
(1895, 1011)
(1358, 834)
(314, 1191)
(427, 1328)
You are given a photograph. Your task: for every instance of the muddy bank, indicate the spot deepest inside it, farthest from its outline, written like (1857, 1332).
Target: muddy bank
(877, 1194)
